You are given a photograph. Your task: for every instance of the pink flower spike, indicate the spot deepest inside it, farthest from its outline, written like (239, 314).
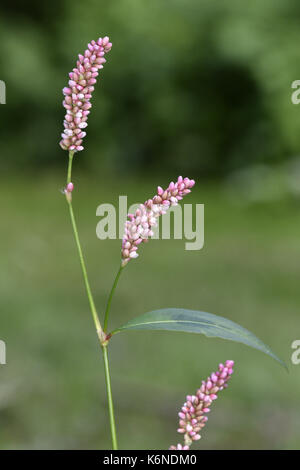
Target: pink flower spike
(192, 414)
(140, 225)
(78, 94)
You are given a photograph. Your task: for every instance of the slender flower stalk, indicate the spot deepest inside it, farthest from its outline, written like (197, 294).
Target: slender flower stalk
(192, 416)
(107, 309)
(101, 335)
(68, 193)
(77, 105)
(139, 227)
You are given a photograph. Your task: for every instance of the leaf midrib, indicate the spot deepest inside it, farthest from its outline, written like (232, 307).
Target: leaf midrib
(131, 325)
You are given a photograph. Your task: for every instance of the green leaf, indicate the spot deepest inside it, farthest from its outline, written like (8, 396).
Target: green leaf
(193, 321)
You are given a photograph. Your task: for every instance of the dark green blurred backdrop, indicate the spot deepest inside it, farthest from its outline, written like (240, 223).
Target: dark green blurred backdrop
(196, 87)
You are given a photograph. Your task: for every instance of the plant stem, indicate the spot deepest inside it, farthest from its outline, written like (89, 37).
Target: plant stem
(82, 262)
(107, 310)
(84, 272)
(69, 175)
(100, 332)
(110, 400)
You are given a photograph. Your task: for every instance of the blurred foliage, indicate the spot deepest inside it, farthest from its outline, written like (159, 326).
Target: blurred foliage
(202, 86)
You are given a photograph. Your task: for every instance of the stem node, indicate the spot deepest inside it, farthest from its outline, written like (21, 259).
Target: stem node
(103, 337)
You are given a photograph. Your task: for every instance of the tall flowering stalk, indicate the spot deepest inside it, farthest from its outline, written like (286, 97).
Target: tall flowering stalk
(77, 104)
(138, 229)
(192, 416)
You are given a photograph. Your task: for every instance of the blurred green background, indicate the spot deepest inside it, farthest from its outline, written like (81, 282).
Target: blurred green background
(200, 88)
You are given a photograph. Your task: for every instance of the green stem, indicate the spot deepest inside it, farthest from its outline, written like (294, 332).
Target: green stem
(107, 310)
(69, 175)
(110, 400)
(82, 262)
(101, 334)
(84, 272)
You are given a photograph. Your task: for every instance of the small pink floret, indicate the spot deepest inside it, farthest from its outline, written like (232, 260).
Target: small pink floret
(70, 187)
